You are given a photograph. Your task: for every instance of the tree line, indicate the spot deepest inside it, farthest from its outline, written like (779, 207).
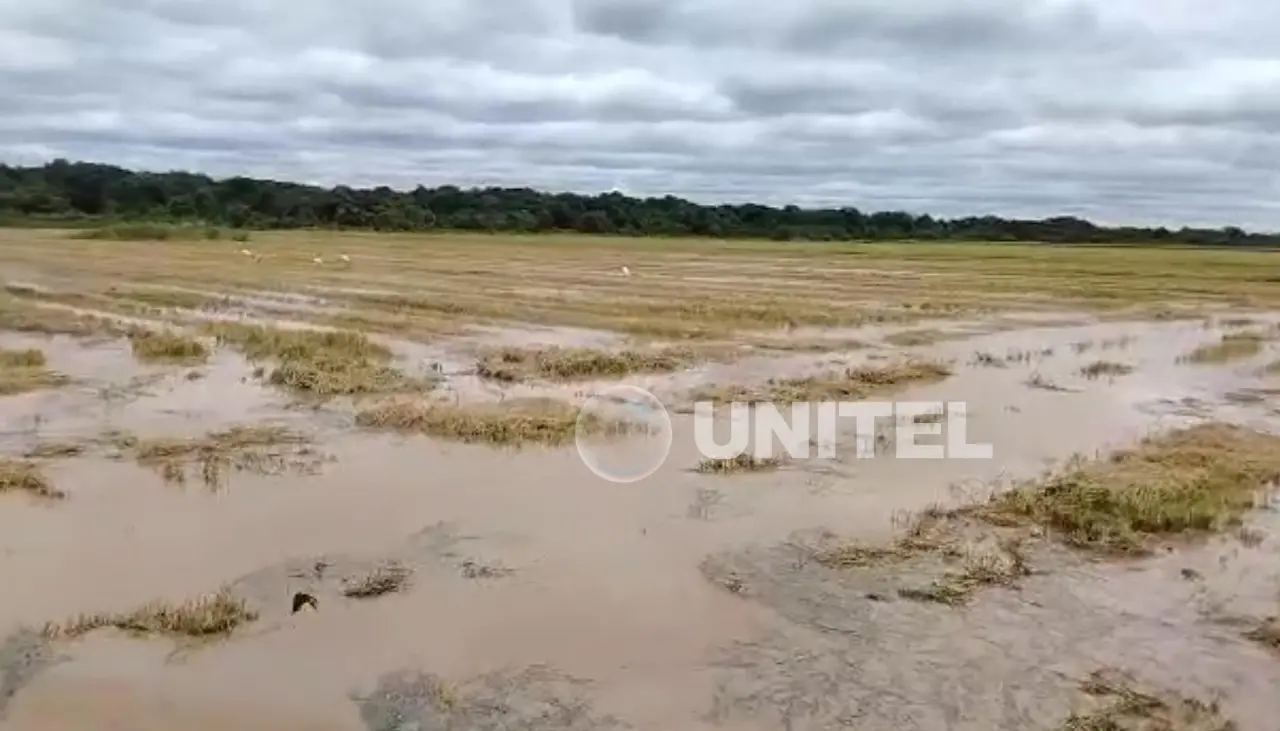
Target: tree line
(63, 193)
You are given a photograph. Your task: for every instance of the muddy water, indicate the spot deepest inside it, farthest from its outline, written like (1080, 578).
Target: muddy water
(526, 560)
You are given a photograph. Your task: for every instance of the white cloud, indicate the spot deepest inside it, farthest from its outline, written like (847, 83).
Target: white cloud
(1126, 111)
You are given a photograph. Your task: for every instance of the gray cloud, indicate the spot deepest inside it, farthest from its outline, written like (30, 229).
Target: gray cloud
(1143, 111)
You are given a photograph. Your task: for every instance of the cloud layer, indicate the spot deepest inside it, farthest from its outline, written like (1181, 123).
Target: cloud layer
(1142, 111)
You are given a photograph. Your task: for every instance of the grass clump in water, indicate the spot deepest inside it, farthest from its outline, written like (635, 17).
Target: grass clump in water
(382, 580)
(319, 362)
(24, 370)
(166, 346)
(205, 617)
(737, 465)
(1127, 709)
(1267, 633)
(852, 383)
(21, 475)
(1192, 481)
(557, 363)
(1231, 347)
(1105, 369)
(512, 422)
(263, 449)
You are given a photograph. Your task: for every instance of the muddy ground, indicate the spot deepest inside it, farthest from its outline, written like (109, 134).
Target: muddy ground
(489, 584)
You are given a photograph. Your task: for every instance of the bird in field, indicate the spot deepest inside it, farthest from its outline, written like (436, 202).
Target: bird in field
(301, 600)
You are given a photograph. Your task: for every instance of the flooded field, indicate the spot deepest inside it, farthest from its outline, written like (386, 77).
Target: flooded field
(321, 481)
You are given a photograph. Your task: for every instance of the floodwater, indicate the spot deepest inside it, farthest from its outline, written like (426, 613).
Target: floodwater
(543, 596)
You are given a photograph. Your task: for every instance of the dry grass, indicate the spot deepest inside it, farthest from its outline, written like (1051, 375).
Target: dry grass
(21, 475)
(55, 450)
(1267, 633)
(166, 346)
(381, 580)
(742, 463)
(205, 617)
(20, 316)
(422, 284)
(1192, 481)
(262, 449)
(1105, 369)
(852, 383)
(22, 371)
(513, 422)
(978, 569)
(1231, 347)
(158, 232)
(564, 364)
(319, 363)
(1272, 368)
(1125, 708)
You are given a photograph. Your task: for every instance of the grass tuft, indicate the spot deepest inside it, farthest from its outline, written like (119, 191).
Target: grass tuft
(852, 383)
(166, 346)
(204, 617)
(513, 422)
(1192, 481)
(1105, 369)
(736, 465)
(319, 362)
(264, 449)
(26, 476)
(557, 363)
(1129, 709)
(1231, 347)
(382, 580)
(23, 370)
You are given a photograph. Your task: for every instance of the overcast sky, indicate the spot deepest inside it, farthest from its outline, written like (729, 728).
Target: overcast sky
(1145, 111)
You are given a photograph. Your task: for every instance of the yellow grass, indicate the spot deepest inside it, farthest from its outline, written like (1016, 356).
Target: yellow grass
(204, 617)
(24, 370)
(425, 284)
(21, 475)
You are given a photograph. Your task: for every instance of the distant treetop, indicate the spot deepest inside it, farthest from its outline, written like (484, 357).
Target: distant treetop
(63, 191)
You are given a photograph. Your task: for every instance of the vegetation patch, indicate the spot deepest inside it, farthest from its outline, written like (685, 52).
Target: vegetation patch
(1125, 708)
(319, 362)
(736, 465)
(204, 617)
(262, 449)
(850, 384)
(24, 370)
(1105, 369)
(20, 316)
(512, 422)
(565, 364)
(25, 476)
(1192, 481)
(166, 346)
(159, 232)
(381, 580)
(1231, 347)
(1267, 633)
(1272, 368)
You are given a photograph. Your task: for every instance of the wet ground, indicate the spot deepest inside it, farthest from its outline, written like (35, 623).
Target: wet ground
(542, 596)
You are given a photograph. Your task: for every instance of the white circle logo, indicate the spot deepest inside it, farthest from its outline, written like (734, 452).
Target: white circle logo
(629, 411)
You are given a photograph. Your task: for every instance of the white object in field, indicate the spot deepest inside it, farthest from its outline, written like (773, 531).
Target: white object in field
(318, 260)
(246, 252)
(345, 259)
(626, 271)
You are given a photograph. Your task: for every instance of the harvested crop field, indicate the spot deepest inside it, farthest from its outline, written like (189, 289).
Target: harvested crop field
(256, 490)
